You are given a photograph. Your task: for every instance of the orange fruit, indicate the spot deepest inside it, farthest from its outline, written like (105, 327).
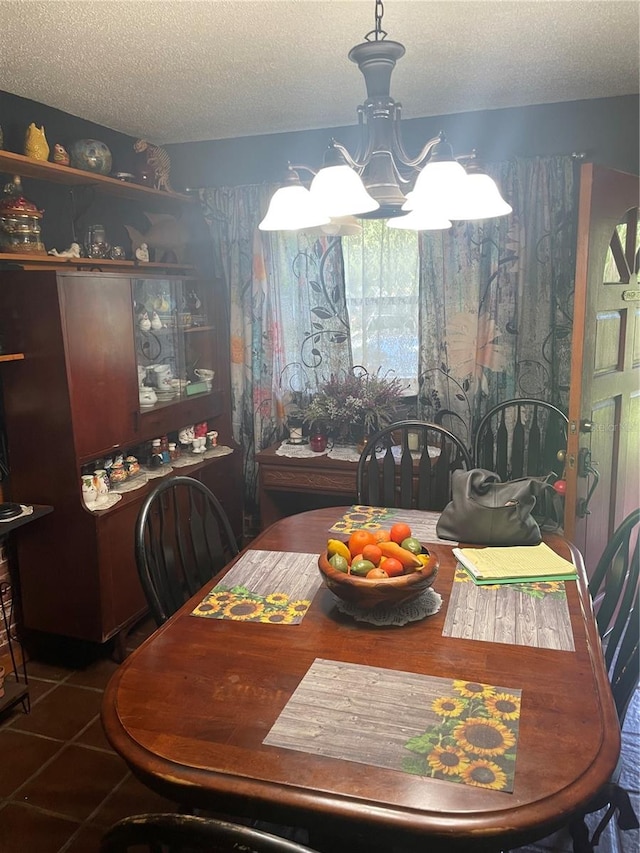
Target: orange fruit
(357, 541)
(400, 531)
(393, 567)
(377, 573)
(382, 535)
(373, 553)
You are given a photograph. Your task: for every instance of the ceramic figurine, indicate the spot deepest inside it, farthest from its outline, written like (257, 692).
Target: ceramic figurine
(167, 235)
(158, 161)
(35, 143)
(142, 254)
(60, 155)
(186, 435)
(144, 322)
(156, 322)
(90, 155)
(132, 465)
(72, 252)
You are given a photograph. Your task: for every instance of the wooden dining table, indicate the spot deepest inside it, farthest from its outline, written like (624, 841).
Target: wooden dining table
(190, 710)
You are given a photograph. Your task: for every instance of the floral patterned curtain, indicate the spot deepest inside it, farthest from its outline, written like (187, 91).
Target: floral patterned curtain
(288, 320)
(496, 300)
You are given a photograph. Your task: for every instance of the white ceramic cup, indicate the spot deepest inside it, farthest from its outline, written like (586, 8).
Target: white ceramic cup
(89, 490)
(163, 377)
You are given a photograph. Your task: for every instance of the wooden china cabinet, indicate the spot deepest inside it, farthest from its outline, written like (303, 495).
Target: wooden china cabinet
(73, 400)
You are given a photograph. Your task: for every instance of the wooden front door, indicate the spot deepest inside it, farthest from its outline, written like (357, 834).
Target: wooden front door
(604, 400)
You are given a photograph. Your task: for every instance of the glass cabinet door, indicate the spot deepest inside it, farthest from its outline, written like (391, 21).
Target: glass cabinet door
(174, 341)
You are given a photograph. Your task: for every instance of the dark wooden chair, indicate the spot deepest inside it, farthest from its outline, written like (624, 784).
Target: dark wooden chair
(520, 438)
(614, 591)
(408, 465)
(182, 539)
(179, 832)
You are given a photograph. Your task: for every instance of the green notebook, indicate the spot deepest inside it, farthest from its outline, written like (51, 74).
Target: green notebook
(520, 564)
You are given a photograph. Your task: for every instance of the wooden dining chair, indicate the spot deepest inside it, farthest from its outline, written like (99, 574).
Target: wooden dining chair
(182, 539)
(409, 465)
(521, 437)
(180, 832)
(614, 592)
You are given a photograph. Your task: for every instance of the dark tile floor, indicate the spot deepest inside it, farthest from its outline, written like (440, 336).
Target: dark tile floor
(61, 785)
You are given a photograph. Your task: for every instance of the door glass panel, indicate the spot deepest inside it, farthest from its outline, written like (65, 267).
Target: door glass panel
(615, 267)
(162, 373)
(174, 341)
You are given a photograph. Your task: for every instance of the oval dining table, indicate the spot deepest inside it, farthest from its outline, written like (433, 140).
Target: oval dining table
(190, 709)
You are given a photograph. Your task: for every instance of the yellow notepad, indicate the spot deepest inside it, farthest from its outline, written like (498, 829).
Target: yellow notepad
(520, 564)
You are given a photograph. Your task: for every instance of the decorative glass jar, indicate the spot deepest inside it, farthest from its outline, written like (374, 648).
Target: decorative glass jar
(19, 223)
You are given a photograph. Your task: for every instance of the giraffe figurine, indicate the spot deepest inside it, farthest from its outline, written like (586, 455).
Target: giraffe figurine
(158, 161)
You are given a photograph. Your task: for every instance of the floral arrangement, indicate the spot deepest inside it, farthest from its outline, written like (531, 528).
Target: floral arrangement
(354, 403)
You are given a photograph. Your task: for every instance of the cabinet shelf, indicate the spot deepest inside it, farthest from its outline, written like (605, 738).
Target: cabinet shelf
(37, 261)
(42, 170)
(184, 330)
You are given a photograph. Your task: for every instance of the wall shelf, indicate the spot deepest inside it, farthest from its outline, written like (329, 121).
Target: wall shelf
(12, 356)
(43, 170)
(33, 260)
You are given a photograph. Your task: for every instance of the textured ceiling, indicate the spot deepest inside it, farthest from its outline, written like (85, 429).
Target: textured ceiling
(181, 71)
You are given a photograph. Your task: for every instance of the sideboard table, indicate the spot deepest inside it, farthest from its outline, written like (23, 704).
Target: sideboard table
(289, 485)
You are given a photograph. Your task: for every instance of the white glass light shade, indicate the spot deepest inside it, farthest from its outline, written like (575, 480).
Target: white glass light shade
(342, 226)
(417, 220)
(292, 208)
(479, 198)
(436, 185)
(339, 191)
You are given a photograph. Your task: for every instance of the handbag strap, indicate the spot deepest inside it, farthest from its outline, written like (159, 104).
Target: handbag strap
(549, 509)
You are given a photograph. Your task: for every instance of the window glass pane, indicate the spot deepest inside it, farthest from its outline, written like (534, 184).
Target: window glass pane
(381, 276)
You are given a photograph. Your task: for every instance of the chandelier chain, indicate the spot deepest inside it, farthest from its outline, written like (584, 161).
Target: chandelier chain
(377, 34)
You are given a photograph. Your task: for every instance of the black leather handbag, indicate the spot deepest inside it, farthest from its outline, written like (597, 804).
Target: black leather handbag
(486, 511)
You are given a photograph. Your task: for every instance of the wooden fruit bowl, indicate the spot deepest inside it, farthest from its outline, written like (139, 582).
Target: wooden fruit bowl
(367, 594)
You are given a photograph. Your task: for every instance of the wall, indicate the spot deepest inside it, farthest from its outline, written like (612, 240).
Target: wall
(606, 130)
(15, 116)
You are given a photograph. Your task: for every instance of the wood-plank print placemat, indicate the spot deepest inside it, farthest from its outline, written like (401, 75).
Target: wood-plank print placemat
(454, 730)
(422, 523)
(264, 586)
(522, 614)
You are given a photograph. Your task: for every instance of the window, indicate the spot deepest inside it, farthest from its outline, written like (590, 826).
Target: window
(381, 278)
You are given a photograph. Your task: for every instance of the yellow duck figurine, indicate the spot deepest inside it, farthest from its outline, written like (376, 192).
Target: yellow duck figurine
(35, 143)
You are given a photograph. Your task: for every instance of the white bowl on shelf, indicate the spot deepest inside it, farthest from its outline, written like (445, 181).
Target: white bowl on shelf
(205, 375)
(147, 397)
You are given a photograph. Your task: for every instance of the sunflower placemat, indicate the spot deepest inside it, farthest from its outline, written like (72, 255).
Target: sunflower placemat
(454, 730)
(522, 614)
(422, 523)
(264, 586)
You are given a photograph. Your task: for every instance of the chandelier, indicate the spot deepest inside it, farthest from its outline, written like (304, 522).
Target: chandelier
(381, 181)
